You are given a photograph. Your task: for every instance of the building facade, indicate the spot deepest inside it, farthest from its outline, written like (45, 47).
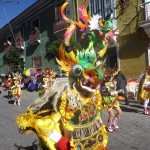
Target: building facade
(34, 29)
(31, 32)
(133, 41)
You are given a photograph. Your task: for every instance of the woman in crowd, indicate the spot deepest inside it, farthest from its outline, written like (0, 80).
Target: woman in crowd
(121, 83)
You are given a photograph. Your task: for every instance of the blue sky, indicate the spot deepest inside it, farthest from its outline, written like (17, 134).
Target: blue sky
(9, 9)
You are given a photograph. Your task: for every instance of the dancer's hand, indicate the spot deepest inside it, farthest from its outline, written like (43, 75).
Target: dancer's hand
(54, 136)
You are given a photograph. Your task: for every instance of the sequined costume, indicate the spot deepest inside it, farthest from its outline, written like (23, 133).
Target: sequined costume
(144, 91)
(68, 115)
(109, 96)
(16, 89)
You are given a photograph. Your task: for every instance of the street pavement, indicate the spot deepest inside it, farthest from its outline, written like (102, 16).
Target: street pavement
(133, 134)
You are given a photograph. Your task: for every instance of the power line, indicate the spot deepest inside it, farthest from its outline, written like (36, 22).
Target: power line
(8, 23)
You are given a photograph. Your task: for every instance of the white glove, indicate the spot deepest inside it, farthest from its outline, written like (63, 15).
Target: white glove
(54, 136)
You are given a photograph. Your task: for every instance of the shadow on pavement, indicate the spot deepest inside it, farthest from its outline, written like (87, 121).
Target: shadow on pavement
(136, 106)
(128, 109)
(34, 146)
(11, 102)
(132, 107)
(5, 96)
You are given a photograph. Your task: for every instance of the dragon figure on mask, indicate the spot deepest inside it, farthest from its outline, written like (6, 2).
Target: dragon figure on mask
(68, 115)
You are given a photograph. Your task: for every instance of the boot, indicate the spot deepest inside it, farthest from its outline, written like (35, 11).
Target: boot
(18, 102)
(146, 112)
(109, 128)
(115, 123)
(15, 102)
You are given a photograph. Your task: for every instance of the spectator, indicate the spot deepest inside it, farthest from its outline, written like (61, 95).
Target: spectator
(121, 83)
(32, 84)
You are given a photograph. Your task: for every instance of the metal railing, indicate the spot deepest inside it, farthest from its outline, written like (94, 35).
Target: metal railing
(145, 12)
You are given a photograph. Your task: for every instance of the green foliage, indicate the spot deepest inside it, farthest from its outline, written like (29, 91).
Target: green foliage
(76, 46)
(13, 58)
(53, 47)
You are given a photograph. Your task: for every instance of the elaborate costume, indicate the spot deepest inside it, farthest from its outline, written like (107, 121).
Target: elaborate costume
(16, 89)
(73, 118)
(144, 90)
(48, 77)
(110, 99)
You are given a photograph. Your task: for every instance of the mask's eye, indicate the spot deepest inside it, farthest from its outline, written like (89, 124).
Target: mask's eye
(77, 70)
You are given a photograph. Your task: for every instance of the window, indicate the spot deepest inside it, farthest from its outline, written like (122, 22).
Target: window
(37, 62)
(19, 38)
(19, 35)
(36, 25)
(7, 43)
(101, 7)
(147, 10)
(57, 13)
(9, 38)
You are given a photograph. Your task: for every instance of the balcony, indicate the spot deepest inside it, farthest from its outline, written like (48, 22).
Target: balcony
(145, 17)
(34, 38)
(20, 44)
(59, 27)
(7, 47)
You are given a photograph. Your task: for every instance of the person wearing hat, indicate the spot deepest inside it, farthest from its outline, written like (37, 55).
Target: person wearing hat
(110, 100)
(144, 90)
(16, 89)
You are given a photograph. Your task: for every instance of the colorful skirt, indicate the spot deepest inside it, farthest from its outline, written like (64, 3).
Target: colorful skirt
(109, 102)
(17, 91)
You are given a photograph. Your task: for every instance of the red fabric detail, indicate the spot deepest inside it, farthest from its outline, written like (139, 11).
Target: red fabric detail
(63, 144)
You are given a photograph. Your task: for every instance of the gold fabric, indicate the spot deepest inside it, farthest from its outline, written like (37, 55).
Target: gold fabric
(145, 94)
(79, 118)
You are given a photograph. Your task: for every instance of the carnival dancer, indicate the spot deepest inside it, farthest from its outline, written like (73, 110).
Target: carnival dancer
(16, 89)
(110, 99)
(8, 84)
(48, 77)
(72, 120)
(144, 90)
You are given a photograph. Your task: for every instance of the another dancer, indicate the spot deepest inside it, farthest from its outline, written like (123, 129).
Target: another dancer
(16, 89)
(110, 100)
(144, 91)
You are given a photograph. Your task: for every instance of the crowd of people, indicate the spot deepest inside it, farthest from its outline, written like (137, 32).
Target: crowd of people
(113, 85)
(15, 83)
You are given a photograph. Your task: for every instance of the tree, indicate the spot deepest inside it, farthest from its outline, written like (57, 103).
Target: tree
(13, 58)
(53, 47)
